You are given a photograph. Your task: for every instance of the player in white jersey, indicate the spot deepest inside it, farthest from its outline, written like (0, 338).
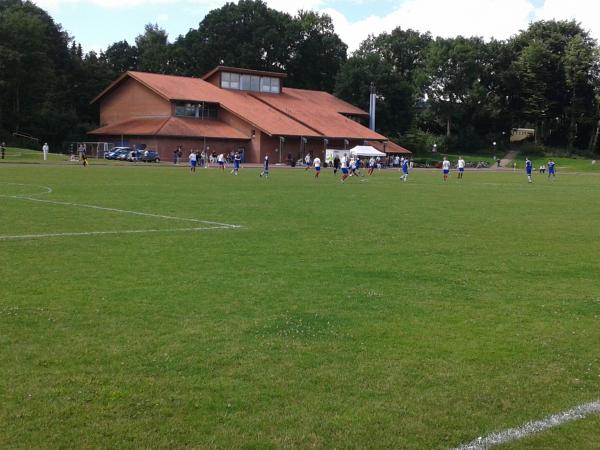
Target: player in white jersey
(317, 164)
(461, 167)
(193, 161)
(344, 164)
(307, 161)
(221, 161)
(445, 168)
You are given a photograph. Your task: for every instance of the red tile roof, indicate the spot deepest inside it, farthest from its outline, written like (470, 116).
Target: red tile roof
(171, 126)
(389, 147)
(294, 112)
(244, 71)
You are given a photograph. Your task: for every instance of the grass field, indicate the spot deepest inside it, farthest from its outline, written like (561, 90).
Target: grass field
(373, 314)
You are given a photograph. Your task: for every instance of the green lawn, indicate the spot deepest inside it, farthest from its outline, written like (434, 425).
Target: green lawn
(22, 155)
(373, 314)
(566, 164)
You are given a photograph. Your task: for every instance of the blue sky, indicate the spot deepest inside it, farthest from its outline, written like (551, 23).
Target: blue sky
(98, 23)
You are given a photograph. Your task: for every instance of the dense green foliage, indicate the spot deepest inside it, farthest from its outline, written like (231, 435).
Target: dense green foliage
(332, 319)
(461, 93)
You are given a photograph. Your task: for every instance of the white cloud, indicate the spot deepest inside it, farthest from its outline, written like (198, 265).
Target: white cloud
(485, 18)
(585, 11)
(292, 7)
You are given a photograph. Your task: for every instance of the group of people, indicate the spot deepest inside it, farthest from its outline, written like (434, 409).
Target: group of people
(351, 166)
(529, 169)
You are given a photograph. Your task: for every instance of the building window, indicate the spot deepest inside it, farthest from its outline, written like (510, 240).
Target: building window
(275, 85)
(235, 81)
(265, 84)
(243, 82)
(225, 80)
(203, 111)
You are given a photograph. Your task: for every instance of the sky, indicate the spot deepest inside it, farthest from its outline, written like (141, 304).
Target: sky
(98, 23)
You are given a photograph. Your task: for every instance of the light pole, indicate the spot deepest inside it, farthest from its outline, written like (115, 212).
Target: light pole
(281, 141)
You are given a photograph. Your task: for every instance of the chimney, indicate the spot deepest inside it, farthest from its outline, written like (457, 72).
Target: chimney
(372, 103)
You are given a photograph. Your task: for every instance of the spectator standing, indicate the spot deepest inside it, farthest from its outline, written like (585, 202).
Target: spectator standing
(45, 149)
(2, 149)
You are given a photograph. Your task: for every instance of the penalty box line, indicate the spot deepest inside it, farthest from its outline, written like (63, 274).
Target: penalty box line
(530, 428)
(125, 211)
(101, 233)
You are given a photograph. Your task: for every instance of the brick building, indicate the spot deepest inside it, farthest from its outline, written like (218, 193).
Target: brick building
(229, 109)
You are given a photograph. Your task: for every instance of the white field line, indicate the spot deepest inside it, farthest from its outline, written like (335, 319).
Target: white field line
(99, 233)
(514, 434)
(48, 190)
(125, 211)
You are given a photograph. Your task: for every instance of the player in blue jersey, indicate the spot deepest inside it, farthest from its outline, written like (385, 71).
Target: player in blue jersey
(237, 160)
(404, 176)
(551, 169)
(265, 171)
(528, 169)
(357, 167)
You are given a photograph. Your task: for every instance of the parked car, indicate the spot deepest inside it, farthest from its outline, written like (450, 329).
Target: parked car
(119, 153)
(150, 156)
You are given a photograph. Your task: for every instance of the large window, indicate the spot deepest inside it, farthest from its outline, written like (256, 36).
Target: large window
(243, 82)
(206, 111)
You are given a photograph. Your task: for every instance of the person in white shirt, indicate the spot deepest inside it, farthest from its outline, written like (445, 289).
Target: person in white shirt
(221, 161)
(317, 164)
(344, 164)
(352, 166)
(461, 167)
(193, 161)
(446, 168)
(371, 166)
(45, 149)
(307, 161)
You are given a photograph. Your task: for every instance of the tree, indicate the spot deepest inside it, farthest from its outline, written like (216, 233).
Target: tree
(394, 63)
(317, 53)
(152, 50)
(247, 34)
(121, 57)
(454, 76)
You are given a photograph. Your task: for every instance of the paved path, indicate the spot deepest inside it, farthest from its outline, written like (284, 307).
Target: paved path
(508, 159)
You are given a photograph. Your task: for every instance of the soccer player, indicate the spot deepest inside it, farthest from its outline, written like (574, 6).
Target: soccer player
(446, 168)
(193, 161)
(371, 166)
(352, 166)
(551, 169)
(265, 171)
(404, 176)
(357, 165)
(237, 160)
(528, 168)
(317, 164)
(344, 163)
(461, 167)
(84, 160)
(307, 161)
(336, 164)
(221, 161)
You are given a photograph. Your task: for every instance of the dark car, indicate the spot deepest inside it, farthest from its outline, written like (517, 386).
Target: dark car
(150, 156)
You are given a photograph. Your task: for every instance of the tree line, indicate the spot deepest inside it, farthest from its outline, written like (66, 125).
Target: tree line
(460, 92)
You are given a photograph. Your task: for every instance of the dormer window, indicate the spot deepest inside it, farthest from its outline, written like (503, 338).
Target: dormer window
(244, 82)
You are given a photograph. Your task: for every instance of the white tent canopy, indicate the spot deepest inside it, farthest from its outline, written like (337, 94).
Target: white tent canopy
(365, 150)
